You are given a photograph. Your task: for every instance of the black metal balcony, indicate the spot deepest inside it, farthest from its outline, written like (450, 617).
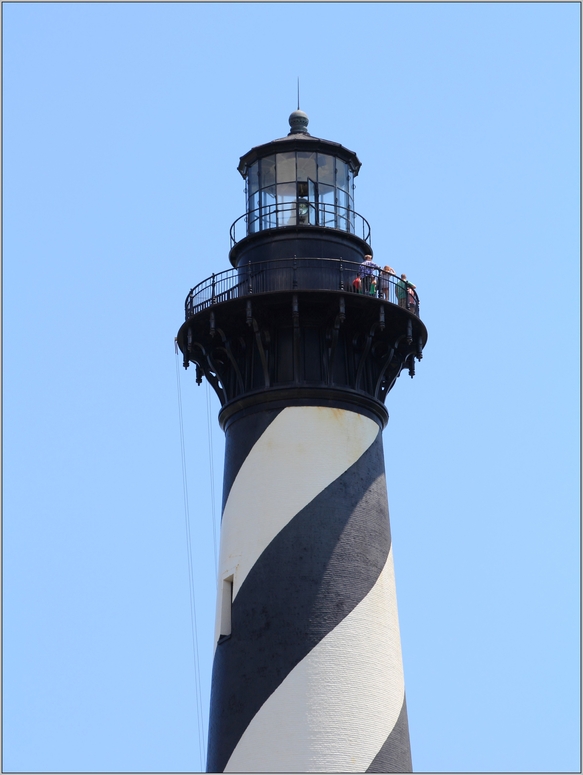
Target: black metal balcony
(300, 213)
(300, 274)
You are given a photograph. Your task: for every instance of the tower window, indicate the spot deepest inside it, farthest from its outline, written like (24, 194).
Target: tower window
(226, 605)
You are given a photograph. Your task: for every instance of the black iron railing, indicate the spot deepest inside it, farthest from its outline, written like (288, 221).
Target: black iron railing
(303, 213)
(290, 274)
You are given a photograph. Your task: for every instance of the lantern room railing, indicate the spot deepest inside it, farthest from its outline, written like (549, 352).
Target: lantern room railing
(297, 274)
(300, 213)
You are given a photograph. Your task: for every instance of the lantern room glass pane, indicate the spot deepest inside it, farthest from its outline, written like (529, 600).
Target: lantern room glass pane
(342, 199)
(268, 208)
(253, 178)
(286, 204)
(267, 172)
(326, 169)
(286, 167)
(342, 175)
(253, 224)
(350, 201)
(326, 206)
(312, 203)
(326, 194)
(306, 165)
(343, 214)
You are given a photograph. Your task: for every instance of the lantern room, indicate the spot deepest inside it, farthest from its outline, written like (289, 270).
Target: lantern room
(300, 184)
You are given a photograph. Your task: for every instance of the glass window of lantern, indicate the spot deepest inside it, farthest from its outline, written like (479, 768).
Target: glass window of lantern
(351, 197)
(343, 221)
(268, 208)
(253, 179)
(286, 204)
(267, 172)
(286, 167)
(326, 194)
(342, 198)
(326, 206)
(253, 211)
(343, 210)
(306, 165)
(342, 180)
(325, 169)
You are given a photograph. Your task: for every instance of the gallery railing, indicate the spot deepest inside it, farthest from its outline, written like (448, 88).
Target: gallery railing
(303, 213)
(291, 274)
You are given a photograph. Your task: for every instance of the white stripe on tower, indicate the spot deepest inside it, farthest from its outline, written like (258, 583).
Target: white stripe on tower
(337, 707)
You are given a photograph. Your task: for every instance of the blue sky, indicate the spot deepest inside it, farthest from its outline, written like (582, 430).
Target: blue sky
(123, 127)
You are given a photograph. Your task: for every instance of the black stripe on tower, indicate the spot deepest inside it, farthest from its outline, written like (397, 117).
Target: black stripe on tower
(310, 577)
(395, 754)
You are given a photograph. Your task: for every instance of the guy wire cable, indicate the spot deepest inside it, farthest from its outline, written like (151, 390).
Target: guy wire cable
(193, 624)
(209, 423)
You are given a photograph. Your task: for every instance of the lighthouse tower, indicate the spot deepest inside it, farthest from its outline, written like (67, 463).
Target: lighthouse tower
(302, 344)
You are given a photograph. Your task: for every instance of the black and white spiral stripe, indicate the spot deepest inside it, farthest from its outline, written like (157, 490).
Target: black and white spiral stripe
(311, 677)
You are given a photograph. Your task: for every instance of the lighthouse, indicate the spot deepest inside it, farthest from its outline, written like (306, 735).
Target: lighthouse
(302, 339)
